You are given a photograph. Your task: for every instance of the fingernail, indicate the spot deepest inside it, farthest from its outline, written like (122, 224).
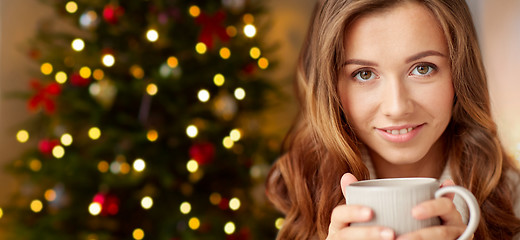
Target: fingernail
(387, 234)
(366, 212)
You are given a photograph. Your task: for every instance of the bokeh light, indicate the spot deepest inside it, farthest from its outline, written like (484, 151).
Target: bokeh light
(152, 35)
(36, 206)
(229, 228)
(215, 198)
(255, 52)
(103, 166)
(152, 89)
(108, 60)
(139, 165)
(185, 207)
(235, 135)
(152, 135)
(249, 30)
(61, 77)
(227, 142)
(263, 63)
(234, 204)
(71, 7)
(22, 136)
(173, 62)
(35, 165)
(147, 202)
(240, 93)
(94, 133)
(138, 234)
(46, 68)
(219, 79)
(50, 195)
(225, 53)
(194, 11)
(78, 44)
(58, 151)
(231, 31)
(203, 95)
(66, 139)
(192, 166)
(94, 208)
(194, 223)
(98, 74)
(192, 131)
(201, 48)
(279, 223)
(85, 72)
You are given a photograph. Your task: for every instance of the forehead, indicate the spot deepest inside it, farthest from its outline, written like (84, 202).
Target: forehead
(403, 29)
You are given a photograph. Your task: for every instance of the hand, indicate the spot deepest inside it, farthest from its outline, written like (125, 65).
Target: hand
(343, 216)
(451, 226)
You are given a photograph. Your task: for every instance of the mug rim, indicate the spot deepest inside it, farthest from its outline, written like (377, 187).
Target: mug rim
(408, 182)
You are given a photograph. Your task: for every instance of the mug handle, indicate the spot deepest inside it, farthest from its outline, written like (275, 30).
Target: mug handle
(473, 206)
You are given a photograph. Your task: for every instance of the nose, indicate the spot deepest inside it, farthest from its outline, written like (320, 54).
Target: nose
(396, 100)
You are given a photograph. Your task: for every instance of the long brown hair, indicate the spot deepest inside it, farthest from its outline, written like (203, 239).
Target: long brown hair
(321, 147)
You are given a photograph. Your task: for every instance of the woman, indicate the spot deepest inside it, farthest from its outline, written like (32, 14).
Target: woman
(392, 88)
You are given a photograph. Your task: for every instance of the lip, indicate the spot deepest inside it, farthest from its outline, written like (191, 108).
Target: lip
(400, 138)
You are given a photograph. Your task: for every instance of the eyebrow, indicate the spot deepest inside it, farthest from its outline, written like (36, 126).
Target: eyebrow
(408, 60)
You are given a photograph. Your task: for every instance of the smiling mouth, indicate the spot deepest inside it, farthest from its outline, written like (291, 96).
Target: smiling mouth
(400, 131)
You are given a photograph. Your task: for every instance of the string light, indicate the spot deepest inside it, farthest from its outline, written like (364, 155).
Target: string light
(94, 133)
(215, 198)
(138, 234)
(225, 53)
(172, 62)
(22, 136)
(219, 79)
(152, 35)
(194, 11)
(78, 44)
(94, 208)
(152, 135)
(60, 77)
(227, 142)
(279, 223)
(71, 7)
(249, 30)
(192, 166)
(85, 72)
(203, 95)
(231, 31)
(147, 202)
(66, 139)
(255, 52)
(108, 60)
(229, 228)
(263, 63)
(58, 151)
(192, 131)
(139, 165)
(98, 74)
(234, 204)
(35, 165)
(152, 89)
(240, 93)
(235, 135)
(36, 206)
(185, 208)
(103, 166)
(248, 18)
(201, 48)
(46, 68)
(50, 195)
(194, 223)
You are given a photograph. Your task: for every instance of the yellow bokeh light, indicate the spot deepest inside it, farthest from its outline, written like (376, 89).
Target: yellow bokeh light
(124, 168)
(139, 165)
(35, 165)
(78, 44)
(61, 77)
(192, 131)
(192, 166)
(138, 234)
(201, 48)
(173, 62)
(36, 206)
(263, 63)
(215, 198)
(279, 223)
(1, 213)
(185, 207)
(46, 68)
(147, 202)
(94, 208)
(108, 60)
(248, 18)
(152, 135)
(235, 135)
(99, 74)
(234, 204)
(66, 139)
(152, 35)
(255, 52)
(151, 89)
(85, 72)
(137, 71)
(194, 223)
(231, 31)
(203, 95)
(219, 79)
(103, 166)
(22, 136)
(58, 151)
(229, 228)
(225, 53)
(240, 93)
(228, 143)
(50, 195)
(249, 30)
(194, 11)
(71, 7)
(94, 133)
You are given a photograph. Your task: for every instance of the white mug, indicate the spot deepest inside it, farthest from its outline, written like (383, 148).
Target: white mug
(392, 200)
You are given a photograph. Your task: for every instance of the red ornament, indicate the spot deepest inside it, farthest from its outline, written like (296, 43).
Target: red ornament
(109, 203)
(224, 204)
(78, 80)
(203, 152)
(112, 13)
(45, 146)
(44, 96)
(250, 68)
(212, 26)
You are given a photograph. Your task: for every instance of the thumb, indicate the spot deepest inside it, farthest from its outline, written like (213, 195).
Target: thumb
(346, 180)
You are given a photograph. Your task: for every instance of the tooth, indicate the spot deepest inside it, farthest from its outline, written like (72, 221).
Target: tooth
(389, 131)
(410, 129)
(403, 131)
(395, 132)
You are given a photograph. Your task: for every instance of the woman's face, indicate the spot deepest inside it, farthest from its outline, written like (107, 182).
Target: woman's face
(395, 85)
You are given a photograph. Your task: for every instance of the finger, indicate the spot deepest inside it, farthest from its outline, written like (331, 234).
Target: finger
(448, 182)
(343, 215)
(434, 233)
(346, 180)
(441, 207)
(365, 233)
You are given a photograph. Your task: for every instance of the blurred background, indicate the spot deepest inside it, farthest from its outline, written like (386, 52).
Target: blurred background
(281, 25)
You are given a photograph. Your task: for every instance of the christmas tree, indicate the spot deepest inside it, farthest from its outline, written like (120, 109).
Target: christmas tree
(145, 124)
